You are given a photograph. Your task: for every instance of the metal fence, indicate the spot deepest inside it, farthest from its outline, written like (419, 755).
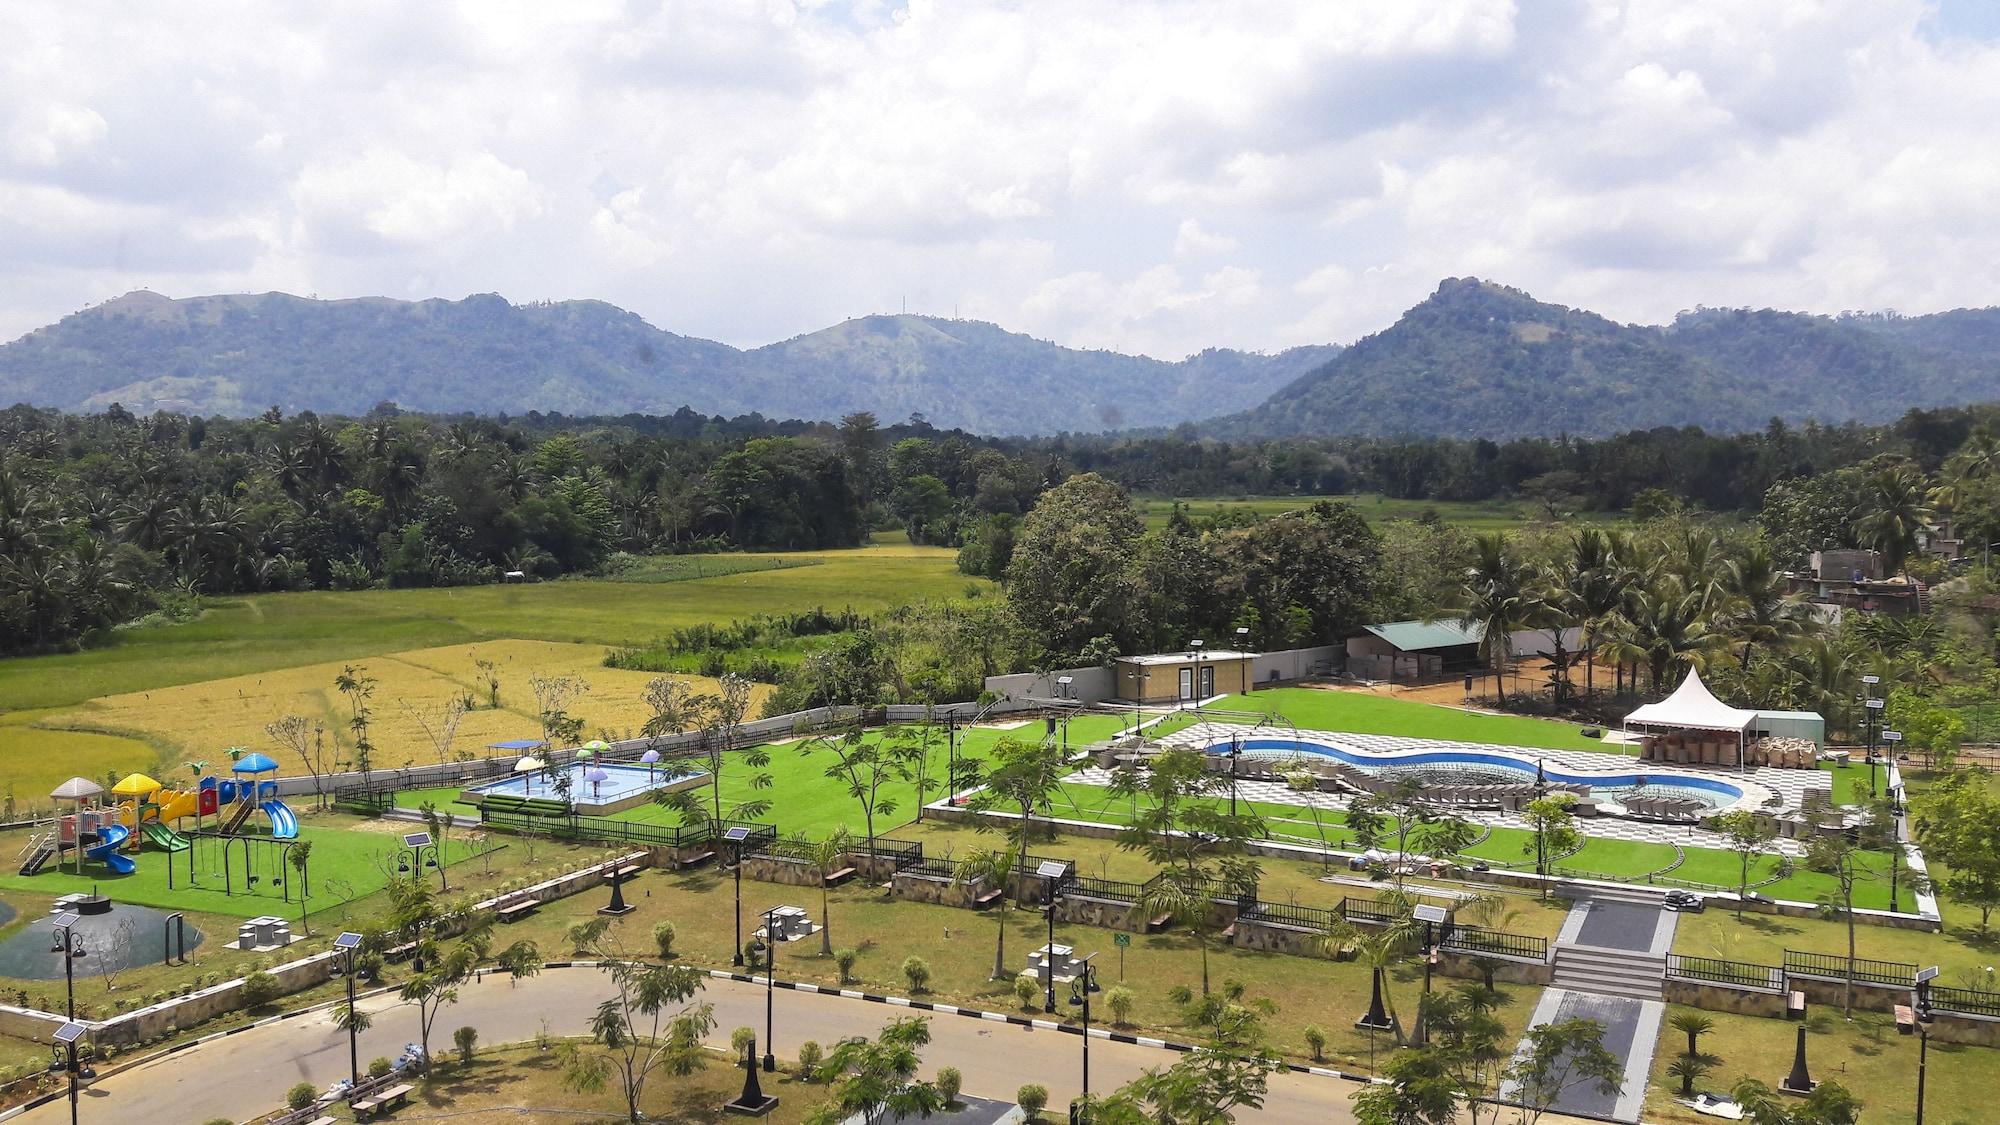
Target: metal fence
(931, 868)
(1111, 890)
(1894, 973)
(1314, 918)
(597, 829)
(1965, 1001)
(1367, 911)
(1477, 942)
(1718, 970)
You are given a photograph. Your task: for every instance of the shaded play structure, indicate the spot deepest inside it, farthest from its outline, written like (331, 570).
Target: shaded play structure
(143, 811)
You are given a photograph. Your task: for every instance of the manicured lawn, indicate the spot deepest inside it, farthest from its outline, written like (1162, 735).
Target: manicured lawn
(1367, 713)
(1619, 859)
(1722, 869)
(1761, 939)
(350, 859)
(1850, 783)
(1866, 1056)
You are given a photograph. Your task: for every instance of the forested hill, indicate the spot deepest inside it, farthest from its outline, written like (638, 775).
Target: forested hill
(1477, 359)
(238, 354)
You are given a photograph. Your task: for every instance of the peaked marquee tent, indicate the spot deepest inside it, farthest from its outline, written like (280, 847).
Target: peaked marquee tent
(1693, 707)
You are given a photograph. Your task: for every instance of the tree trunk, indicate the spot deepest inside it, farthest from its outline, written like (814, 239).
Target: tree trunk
(825, 920)
(1000, 950)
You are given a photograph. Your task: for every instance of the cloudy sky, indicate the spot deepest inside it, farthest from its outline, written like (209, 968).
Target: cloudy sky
(1153, 177)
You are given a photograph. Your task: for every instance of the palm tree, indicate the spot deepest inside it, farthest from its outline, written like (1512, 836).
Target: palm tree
(1664, 626)
(990, 866)
(1694, 1025)
(1898, 507)
(1598, 590)
(1494, 599)
(824, 858)
(1762, 612)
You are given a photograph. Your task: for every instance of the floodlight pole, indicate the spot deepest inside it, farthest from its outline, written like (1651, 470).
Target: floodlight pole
(771, 940)
(1049, 954)
(737, 958)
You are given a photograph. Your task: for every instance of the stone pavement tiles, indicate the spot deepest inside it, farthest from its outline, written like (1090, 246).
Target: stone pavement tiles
(1631, 1032)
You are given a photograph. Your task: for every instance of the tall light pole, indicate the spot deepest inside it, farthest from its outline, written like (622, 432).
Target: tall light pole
(735, 837)
(1235, 755)
(411, 856)
(1195, 645)
(347, 943)
(1079, 997)
(768, 946)
(66, 1036)
(1052, 872)
(1870, 708)
(1923, 1021)
(1243, 652)
(70, 946)
(1430, 916)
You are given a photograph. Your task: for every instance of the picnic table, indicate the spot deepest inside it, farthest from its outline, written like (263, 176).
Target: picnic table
(384, 1102)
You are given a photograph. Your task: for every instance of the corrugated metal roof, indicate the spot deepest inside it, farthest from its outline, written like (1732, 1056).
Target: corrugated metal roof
(1413, 636)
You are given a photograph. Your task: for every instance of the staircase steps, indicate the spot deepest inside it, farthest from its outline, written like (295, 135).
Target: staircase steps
(1609, 972)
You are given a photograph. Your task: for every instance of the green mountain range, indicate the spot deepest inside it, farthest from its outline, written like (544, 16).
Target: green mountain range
(1474, 359)
(1477, 359)
(238, 354)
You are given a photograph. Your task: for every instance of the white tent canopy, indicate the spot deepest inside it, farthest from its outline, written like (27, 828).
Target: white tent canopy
(1692, 707)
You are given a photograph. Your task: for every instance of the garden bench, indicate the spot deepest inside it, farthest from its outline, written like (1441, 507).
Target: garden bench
(516, 910)
(989, 898)
(691, 860)
(1795, 1005)
(627, 871)
(386, 1102)
(322, 1119)
(835, 878)
(1159, 923)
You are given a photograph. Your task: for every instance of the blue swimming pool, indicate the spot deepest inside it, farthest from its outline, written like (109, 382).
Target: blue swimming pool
(1477, 766)
(622, 787)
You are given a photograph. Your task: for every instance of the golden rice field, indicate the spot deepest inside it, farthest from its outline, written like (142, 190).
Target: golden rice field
(200, 720)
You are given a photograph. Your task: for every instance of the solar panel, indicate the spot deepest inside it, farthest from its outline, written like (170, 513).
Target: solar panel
(347, 941)
(736, 835)
(67, 919)
(416, 839)
(71, 1032)
(1429, 913)
(1925, 975)
(1052, 869)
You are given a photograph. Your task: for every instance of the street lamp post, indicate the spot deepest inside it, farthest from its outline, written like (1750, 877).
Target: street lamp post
(1249, 680)
(1430, 916)
(1195, 694)
(768, 946)
(411, 856)
(1923, 1022)
(1235, 755)
(1079, 997)
(735, 837)
(347, 943)
(66, 1036)
(1871, 707)
(1052, 872)
(70, 945)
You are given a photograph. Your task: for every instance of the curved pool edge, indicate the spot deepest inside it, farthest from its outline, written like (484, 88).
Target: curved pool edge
(1739, 792)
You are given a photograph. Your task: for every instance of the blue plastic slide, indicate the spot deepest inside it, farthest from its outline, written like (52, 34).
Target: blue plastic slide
(106, 849)
(284, 825)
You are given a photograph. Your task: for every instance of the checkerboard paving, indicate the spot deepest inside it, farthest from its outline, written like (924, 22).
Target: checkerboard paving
(1789, 785)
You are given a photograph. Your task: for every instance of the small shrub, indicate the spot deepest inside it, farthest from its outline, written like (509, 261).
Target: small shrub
(663, 937)
(949, 1081)
(1316, 1042)
(741, 1039)
(1026, 991)
(810, 1056)
(220, 1121)
(753, 957)
(918, 972)
(844, 960)
(259, 989)
(301, 1096)
(1180, 996)
(466, 1039)
(379, 1066)
(1032, 1097)
(1120, 999)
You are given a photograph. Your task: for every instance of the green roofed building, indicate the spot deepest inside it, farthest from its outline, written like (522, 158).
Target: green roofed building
(1413, 650)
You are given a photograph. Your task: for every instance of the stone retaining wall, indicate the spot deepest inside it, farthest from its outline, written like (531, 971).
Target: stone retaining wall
(936, 890)
(1713, 997)
(1104, 913)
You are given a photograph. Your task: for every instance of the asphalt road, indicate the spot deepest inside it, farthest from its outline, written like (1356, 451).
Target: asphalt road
(242, 1075)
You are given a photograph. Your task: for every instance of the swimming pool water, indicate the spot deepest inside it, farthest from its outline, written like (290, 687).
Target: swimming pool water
(619, 782)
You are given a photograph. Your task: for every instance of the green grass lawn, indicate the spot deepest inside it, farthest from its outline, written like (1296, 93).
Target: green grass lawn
(1618, 859)
(1850, 783)
(1722, 869)
(240, 635)
(346, 863)
(1761, 939)
(1366, 713)
(1865, 1055)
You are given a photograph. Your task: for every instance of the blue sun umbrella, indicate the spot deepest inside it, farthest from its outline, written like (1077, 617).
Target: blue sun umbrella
(253, 763)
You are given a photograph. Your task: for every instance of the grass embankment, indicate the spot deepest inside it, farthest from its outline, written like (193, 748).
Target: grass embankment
(959, 947)
(1367, 713)
(1761, 939)
(1866, 1056)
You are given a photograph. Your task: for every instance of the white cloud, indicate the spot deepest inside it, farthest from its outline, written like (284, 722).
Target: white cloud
(754, 169)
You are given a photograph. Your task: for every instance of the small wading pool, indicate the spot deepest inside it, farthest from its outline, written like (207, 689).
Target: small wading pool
(623, 787)
(1481, 767)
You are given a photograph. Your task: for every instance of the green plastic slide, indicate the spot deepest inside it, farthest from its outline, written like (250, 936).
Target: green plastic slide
(164, 838)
